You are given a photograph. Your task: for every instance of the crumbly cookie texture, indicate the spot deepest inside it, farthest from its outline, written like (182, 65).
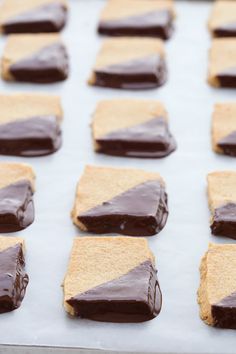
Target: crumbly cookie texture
(14, 172)
(115, 10)
(100, 184)
(223, 13)
(95, 261)
(222, 57)
(218, 283)
(6, 242)
(223, 123)
(27, 105)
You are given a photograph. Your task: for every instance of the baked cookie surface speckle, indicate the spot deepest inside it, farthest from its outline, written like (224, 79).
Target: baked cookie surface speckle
(222, 22)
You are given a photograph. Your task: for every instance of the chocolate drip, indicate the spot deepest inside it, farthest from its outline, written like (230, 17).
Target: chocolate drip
(227, 78)
(13, 278)
(228, 144)
(36, 136)
(149, 139)
(225, 30)
(16, 206)
(48, 65)
(141, 73)
(46, 18)
(134, 297)
(224, 312)
(139, 211)
(224, 221)
(153, 24)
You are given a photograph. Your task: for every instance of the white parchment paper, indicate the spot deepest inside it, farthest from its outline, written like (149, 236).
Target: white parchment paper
(41, 320)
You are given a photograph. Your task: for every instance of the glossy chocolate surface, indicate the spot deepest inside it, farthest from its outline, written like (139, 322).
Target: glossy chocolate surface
(16, 206)
(134, 297)
(47, 18)
(227, 78)
(13, 278)
(224, 312)
(224, 221)
(142, 73)
(149, 139)
(226, 30)
(139, 211)
(48, 65)
(36, 136)
(228, 144)
(150, 24)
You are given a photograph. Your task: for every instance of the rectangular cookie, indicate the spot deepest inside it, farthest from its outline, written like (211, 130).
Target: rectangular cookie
(222, 63)
(224, 128)
(36, 58)
(130, 63)
(32, 16)
(124, 201)
(222, 203)
(112, 279)
(217, 291)
(222, 22)
(13, 278)
(137, 18)
(132, 128)
(16, 196)
(30, 124)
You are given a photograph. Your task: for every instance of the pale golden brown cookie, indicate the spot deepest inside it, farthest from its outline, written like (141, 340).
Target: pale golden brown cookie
(217, 291)
(125, 201)
(104, 276)
(222, 22)
(40, 58)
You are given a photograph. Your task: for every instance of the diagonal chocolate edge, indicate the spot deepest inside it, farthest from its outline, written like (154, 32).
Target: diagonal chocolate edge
(227, 78)
(139, 211)
(133, 297)
(142, 73)
(224, 312)
(225, 30)
(16, 206)
(228, 144)
(46, 18)
(48, 65)
(157, 23)
(13, 278)
(35, 136)
(224, 221)
(149, 139)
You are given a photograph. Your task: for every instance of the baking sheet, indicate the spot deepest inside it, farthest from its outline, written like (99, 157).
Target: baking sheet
(41, 320)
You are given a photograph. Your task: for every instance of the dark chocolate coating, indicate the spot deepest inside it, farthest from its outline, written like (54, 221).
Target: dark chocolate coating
(228, 144)
(224, 221)
(13, 278)
(227, 79)
(139, 211)
(47, 18)
(149, 139)
(150, 24)
(36, 136)
(134, 297)
(224, 312)
(226, 30)
(16, 206)
(48, 65)
(142, 73)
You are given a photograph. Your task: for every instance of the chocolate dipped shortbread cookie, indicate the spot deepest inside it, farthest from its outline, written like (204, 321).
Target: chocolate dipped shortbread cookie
(222, 65)
(222, 21)
(32, 16)
(222, 203)
(132, 128)
(217, 292)
(16, 196)
(124, 201)
(112, 279)
(130, 63)
(137, 18)
(224, 128)
(37, 58)
(13, 278)
(30, 124)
